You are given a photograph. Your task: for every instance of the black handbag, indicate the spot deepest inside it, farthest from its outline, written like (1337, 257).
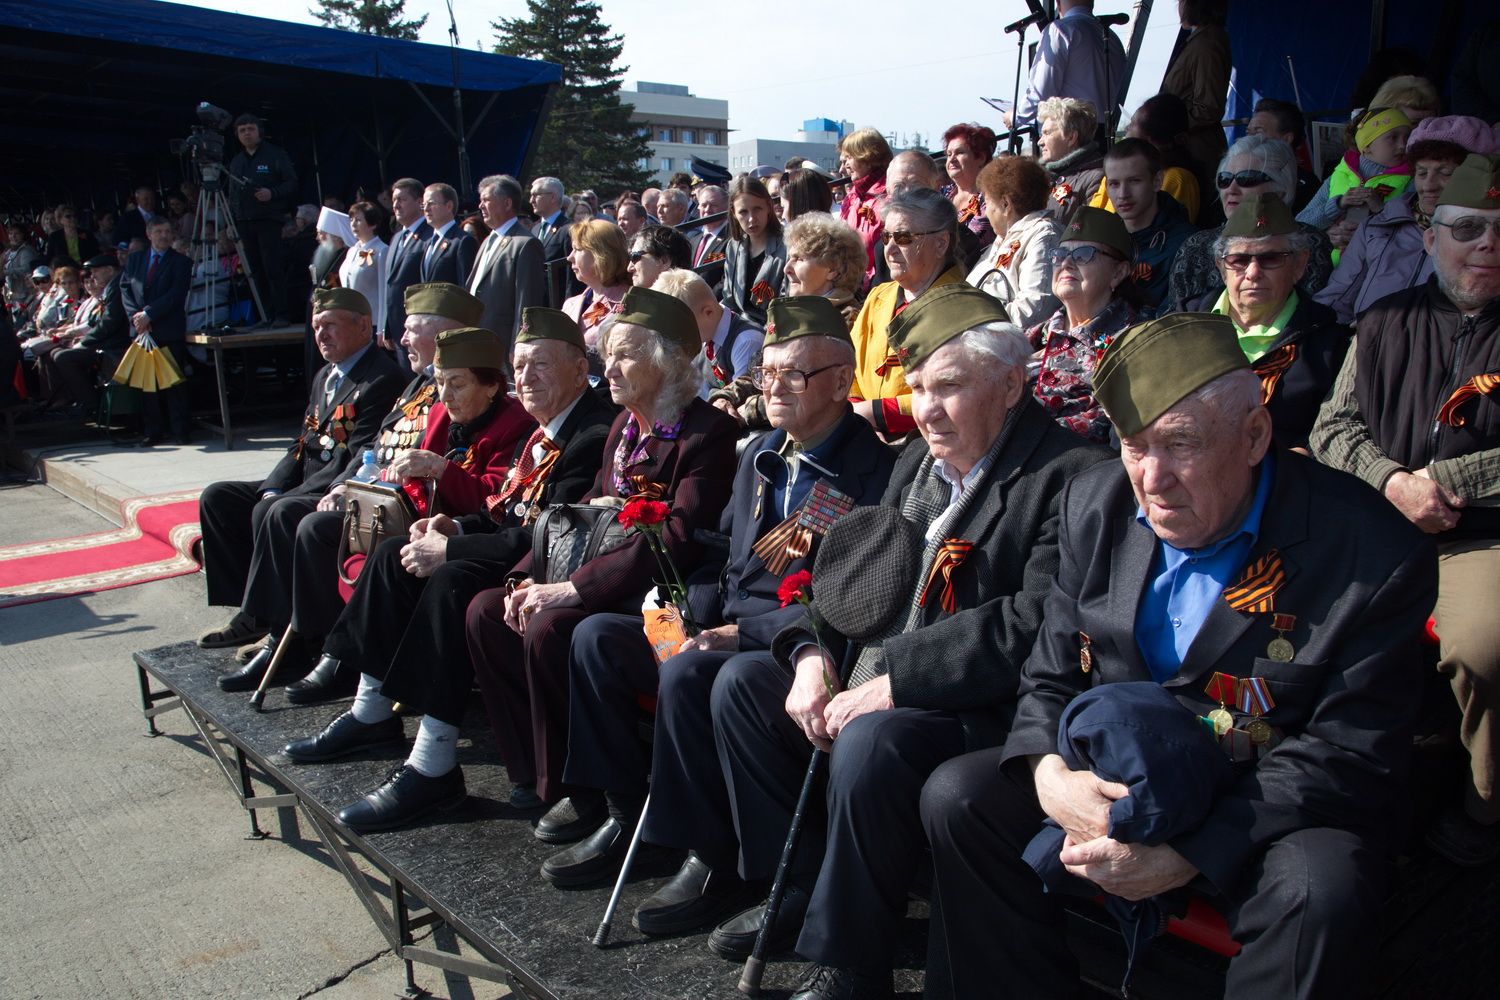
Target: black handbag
(567, 535)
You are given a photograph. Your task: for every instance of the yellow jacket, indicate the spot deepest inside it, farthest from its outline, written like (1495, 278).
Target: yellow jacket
(871, 350)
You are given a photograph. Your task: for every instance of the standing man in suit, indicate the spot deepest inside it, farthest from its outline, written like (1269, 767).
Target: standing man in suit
(557, 241)
(265, 190)
(508, 274)
(1275, 598)
(403, 262)
(154, 292)
(709, 247)
(132, 224)
(350, 398)
(449, 254)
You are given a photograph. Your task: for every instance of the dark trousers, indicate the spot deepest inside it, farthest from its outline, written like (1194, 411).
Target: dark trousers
(271, 576)
(316, 602)
(233, 518)
(174, 401)
(409, 631)
(263, 252)
(1305, 913)
(78, 369)
(524, 684)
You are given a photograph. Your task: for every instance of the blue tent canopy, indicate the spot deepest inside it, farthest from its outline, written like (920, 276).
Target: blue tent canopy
(93, 92)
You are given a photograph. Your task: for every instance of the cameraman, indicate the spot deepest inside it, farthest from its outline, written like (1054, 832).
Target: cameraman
(265, 185)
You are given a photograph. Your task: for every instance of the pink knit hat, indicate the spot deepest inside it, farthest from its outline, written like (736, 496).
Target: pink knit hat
(1472, 135)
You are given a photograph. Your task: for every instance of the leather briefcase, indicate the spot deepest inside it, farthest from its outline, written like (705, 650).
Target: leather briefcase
(373, 512)
(567, 535)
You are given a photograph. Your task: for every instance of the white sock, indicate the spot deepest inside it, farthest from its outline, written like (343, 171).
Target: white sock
(370, 706)
(435, 751)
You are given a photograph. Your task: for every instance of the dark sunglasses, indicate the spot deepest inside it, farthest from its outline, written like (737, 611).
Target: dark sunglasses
(1080, 255)
(1268, 261)
(1470, 227)
(636, 255)
(904, 239)
(1245, 179)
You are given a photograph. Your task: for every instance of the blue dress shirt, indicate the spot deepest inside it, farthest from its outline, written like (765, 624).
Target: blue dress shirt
(1185, 583)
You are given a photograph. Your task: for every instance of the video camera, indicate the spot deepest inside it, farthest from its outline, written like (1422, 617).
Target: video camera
(205, 142)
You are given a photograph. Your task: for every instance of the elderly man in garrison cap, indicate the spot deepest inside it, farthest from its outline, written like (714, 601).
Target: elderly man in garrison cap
(402, 632)
(1277, 599)
(979, 493)
(1415, 414)
(350, 398)
(819, 460)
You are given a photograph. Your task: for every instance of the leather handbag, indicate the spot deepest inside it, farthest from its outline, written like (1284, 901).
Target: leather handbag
(567, 535)
(373, 512)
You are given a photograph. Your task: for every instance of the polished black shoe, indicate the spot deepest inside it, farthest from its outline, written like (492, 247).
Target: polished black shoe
(695, 896)
(247, 678)
(598, 857)
(734, 939)
(407, 795)
(325, 683)
(826, 982)
(525, 797)
(571, 819)
(344, 736)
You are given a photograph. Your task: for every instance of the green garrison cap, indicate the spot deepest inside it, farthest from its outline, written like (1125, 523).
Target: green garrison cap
(340, 298)
(1475, 183)
(1153, 366)
(1264, 214)
(440, 298)
(469, 347)
(793, 316)
(1095, 225)
(663, 314)
(541, 323)
(939, 315)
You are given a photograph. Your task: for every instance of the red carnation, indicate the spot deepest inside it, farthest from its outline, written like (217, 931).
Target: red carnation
(797, 587)
(642, 513)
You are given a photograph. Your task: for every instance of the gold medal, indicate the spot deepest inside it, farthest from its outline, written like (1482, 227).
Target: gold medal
(1222, 720)
(1259, 730)
(1085, 652)
(1280, 650)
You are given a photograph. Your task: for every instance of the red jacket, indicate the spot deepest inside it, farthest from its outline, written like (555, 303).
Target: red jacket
(479, 472)
(861, 211)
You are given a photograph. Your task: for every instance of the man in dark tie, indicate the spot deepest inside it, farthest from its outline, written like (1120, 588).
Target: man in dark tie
(154, 291)
(508, 276)
(557, 239)
(403, 266)
(450, 251)
(708, 248)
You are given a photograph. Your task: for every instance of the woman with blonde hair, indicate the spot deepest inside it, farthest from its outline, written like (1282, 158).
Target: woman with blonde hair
(1069, 152)
(863, 156)
(600, 260)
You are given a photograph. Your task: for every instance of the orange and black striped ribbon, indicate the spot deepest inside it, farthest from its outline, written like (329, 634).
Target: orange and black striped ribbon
(892, 360)
(422, 401)
(1479, 385)
(642, 488)
(1255, 591)
(1271, 367)
(950, 556)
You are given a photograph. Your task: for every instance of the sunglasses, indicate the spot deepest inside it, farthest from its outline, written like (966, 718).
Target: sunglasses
(1268, 261)
(636, 256)
(1245, 179)
(1080, 255)
(904, 239)
(1470, 227)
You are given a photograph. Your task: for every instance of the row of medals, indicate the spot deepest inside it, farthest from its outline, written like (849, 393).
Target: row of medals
(406, 433)
(1281, 650)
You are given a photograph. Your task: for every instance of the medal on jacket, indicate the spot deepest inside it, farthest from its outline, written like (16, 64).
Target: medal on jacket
(793, 538)
(1255, 701)
(1281, 650)
(1222, 688)
(1085, 652)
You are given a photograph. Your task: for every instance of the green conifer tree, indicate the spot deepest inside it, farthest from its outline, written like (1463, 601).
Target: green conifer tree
(371, 17)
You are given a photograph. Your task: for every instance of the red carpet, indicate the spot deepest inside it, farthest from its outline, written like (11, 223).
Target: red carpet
(155, 543)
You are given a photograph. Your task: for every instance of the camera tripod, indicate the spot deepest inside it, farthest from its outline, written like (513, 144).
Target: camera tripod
(212, 204)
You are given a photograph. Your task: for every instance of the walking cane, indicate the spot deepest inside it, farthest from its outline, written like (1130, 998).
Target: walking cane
(601, 936)
(259, 696)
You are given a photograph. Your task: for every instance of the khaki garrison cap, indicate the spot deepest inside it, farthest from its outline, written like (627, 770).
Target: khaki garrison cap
(1153, 366)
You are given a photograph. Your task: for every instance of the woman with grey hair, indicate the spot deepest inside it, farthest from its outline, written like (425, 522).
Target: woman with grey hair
(1254, 165)
(1066, 147)
(920, 236)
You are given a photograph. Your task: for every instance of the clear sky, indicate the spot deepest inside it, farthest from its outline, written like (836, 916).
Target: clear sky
(884, 66)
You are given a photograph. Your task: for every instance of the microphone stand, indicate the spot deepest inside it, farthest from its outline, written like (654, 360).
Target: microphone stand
(1038, 17)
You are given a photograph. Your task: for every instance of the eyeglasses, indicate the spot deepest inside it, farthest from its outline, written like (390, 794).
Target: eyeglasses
(1471, 227)
(1268, 261)
(792, 379)
(902, 238)
(1245, 179)
(636, 255)
(1080, 255)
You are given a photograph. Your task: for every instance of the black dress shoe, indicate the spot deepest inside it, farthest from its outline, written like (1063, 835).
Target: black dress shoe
(595, 858)
(734, 939)
(247, 678)
(695, 896)
(827, 982)
(407, 795)
(150, 440)
(525, 797)
(571, 819)
(344, 736)
(325, 683)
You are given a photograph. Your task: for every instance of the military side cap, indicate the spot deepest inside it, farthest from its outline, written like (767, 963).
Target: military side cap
(441, 298)
(1153, 366)
(340, 298)
(541, 323)
(469, 347)
(939, 315)
(98, 260)
(1095, 225)
(1264, 214)
(793, 316)
(1475, 183)
(663, 314)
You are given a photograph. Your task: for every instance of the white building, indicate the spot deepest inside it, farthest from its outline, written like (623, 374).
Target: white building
(680, 126)
(817, 140)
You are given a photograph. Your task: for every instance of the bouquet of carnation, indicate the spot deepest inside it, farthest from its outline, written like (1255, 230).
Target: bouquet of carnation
(798, 587)
(649, 518)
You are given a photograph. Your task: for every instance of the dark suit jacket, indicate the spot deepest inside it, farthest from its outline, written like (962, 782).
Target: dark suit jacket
(449, 258)
(111, 329)
(88, 246)
(711, 269)
(132, 226)
(745, 593)
(508, 276)
(970, 662)
(371, 388)
(403, 268)
(581, 438)
(1360, 580)
(356, 461)
(695, 470)
(164, 299)
(561, 281)
(739, 287)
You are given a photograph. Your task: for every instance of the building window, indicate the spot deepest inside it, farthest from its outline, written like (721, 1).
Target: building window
(710, 137)
(664, 135)
(644, 163)
(666, 163)
(689, 136)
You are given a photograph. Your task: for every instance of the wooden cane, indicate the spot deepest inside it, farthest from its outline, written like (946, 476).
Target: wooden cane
(601, 936)
(259, 696)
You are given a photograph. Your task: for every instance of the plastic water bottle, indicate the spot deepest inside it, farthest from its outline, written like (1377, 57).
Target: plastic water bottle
(369, 472)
